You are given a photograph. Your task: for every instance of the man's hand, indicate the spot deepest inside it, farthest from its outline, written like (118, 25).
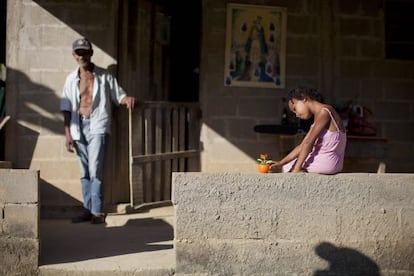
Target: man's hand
(129, 102)
(69, 144)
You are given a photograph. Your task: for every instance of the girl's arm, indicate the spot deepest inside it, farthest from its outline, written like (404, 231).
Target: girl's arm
(322, 120)
(289, 157)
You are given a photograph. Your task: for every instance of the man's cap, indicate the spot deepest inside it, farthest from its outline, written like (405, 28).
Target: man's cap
(81, 43)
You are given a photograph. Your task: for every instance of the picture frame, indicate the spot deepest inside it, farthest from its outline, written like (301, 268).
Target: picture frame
(255, 51)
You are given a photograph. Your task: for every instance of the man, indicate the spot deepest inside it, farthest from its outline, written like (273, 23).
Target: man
(86, 104)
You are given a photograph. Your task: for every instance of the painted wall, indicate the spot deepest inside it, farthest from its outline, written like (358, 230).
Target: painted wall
(335, 46)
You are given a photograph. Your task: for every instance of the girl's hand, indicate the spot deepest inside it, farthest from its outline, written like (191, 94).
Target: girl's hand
(275, 164)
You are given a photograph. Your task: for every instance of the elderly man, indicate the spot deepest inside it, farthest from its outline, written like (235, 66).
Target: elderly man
(86, 103)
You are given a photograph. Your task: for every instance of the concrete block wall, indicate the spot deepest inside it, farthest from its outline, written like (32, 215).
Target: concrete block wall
(326, 48)
(294, 224)
(19, 222)
(335, 46)
(385, 86)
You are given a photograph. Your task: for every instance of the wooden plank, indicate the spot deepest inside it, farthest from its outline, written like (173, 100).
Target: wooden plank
(161, 104)
(136, 172)
(121, 173)
(194, 163)
(166, 145)
(139, 159)
(148, 171)
(148, 131)
(167, 149)
(137, 131)
(149, 138)
(366, 138)
(157, 189)
(193, 126)
(136, 147)
(137, 178)
(174, 142)
(182, 137)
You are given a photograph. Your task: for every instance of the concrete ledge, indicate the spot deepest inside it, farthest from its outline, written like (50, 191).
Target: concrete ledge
(17, 186)
(284, 224)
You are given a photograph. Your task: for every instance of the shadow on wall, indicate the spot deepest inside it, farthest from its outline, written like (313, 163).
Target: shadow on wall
(345, 261)
(36, 112)
(76, 15)
(49, 195)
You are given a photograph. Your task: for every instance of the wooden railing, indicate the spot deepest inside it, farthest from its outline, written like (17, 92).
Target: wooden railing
(164, 138)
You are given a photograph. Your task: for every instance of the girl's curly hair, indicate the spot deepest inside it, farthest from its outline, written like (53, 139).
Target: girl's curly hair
(303, 92)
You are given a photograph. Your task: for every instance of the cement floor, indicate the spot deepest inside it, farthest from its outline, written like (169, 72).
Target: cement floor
(131, 244)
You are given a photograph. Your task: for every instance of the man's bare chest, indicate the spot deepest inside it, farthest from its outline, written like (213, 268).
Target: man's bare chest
(86, 83)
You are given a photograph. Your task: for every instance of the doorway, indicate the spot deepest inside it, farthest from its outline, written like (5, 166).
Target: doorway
(185, 51)
(158, 60)
(159, 49)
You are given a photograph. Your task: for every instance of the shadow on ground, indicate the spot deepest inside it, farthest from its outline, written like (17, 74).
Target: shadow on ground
(64, 242)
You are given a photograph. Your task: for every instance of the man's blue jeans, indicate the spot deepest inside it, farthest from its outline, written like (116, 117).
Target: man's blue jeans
(91, 151)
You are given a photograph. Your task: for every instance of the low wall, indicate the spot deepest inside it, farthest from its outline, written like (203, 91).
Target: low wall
(294, 224)
(19, 222)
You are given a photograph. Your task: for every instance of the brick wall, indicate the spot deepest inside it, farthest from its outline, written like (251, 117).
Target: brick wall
(19, 222)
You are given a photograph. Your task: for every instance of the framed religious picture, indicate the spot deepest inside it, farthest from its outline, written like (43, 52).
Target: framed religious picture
(255, 54)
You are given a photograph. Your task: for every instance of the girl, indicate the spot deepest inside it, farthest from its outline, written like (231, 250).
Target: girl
(323, 148)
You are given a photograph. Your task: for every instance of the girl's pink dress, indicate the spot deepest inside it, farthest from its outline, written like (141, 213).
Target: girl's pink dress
(327, 155)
